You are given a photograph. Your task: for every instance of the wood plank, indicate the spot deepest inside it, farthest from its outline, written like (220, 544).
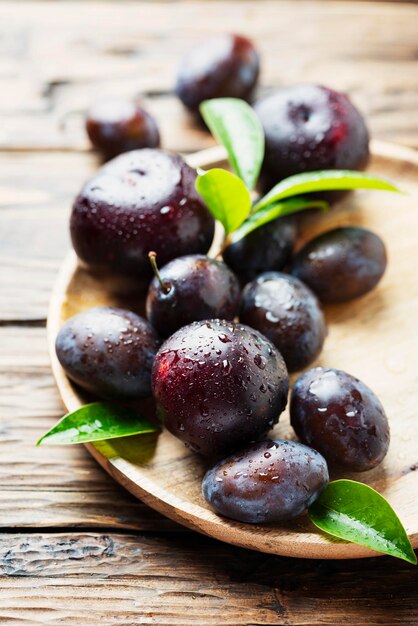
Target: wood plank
(36, 192)
(91, 578)
(54, 61)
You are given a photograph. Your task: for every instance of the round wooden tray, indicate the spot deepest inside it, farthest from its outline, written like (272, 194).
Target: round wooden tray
(374, 338)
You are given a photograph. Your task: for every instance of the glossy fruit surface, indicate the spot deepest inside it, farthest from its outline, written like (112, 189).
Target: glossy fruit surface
(341, 417)
(310, 127)
(115, 125)
(219, 67)
(141, 201)
(195, 287)
(283, 309)
(341, 264)
(266, 248)
(219, 385)
(270, 481)
(109, 352)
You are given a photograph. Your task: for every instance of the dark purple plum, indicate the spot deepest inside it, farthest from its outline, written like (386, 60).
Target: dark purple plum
(219, 385)
(266, 248)
(341, 417)
(191, 288)
(141, 201)
(219, 67)
(283, 309)
(310, 127)
(116, 125)
(341, 264)
(109, 352)
(270, 481)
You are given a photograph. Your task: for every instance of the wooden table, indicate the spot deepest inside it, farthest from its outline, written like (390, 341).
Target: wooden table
(76, 549)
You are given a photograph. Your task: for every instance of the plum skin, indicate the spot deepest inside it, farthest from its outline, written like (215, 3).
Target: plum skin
(270, 481)
(265, 249)
(218, 385)
(283, 309)
(109, 352)
(115, 125)
(218, 67)
(198, 288)
(310, 127)
(341, 417)
(341, 264)
(141, 201)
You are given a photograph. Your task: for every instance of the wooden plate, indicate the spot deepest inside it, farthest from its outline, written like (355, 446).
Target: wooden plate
(375, 338)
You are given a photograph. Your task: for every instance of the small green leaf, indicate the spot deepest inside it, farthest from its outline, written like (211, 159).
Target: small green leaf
(235, 125)
(325, 180)
(97, 421)
(272, 212)
(356, 512)
(226, 196)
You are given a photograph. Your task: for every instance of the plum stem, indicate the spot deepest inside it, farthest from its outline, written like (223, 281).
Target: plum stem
(225, 244)
(166, 287)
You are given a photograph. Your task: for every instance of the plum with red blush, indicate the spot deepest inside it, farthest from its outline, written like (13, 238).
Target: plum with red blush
(310, 127)
(219, 385)
(140, 201)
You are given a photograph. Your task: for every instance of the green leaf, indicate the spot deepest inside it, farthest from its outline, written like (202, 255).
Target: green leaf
(325, 180)
(235, 125)
(356, 512)
(272, 212)
(97, 421)
(226, 196)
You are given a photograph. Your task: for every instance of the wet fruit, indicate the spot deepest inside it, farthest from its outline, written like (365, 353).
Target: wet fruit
(141, 201)
(191, 288)
(283, 309)
(219, 67)
(219, 385)
(109, 352)
(310, 127)
(116, 125)
(270, 481)
(266, 248)
(341, 417)
(341, 264)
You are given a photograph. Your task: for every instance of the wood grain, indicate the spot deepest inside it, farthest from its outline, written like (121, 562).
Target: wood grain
(113, 579)
(369, 337)
(55, 59)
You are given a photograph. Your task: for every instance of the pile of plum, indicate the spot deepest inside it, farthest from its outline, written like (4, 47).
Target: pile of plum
(220, 384)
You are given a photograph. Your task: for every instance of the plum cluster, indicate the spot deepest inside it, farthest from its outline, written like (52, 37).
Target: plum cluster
(222, 334)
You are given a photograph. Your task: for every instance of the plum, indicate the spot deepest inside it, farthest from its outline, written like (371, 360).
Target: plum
(191, 288)
(270, 481)
(341, 417)
(109, 352)
(116, 125)
(341, 264)
(310, 127)
(218, 385)
(283, 309)
(141, 201)
(219, 67)
(266, 248)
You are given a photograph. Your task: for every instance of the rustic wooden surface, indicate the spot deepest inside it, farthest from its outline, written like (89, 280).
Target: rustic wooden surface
(74, 547)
